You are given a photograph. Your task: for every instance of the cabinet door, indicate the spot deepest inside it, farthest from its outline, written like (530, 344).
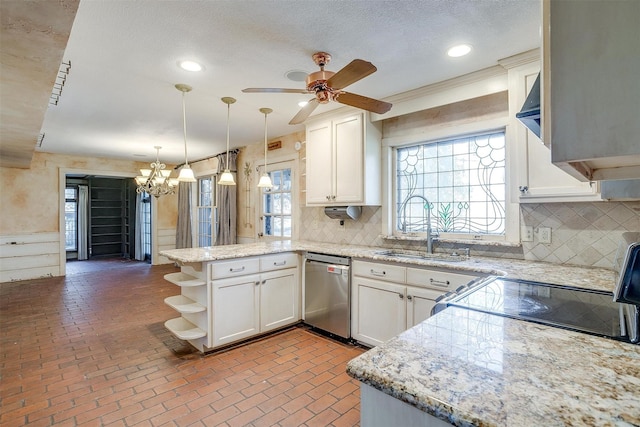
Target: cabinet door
(348, 137)
(420, 302)
(319, 164)
(279, 299)
(378, 312)
(235, 309)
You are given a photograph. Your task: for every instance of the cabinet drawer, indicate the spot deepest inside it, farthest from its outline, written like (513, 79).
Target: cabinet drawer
(437, 279)
(278, 261)
(390, 273)
(232, 268)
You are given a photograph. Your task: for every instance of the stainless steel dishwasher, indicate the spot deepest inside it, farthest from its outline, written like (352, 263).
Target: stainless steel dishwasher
(327, 293)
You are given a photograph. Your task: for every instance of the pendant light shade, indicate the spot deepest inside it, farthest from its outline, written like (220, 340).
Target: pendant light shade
(186, 174)
(265, 179)
(227, 177)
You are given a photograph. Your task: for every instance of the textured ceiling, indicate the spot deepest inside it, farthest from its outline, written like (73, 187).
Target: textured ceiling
(119, 99)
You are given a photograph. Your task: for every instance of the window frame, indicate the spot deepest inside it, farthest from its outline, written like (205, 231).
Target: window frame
(196, 229)
(279, 163)
(389, 190)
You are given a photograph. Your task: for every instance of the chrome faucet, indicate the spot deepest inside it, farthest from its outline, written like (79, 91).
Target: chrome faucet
(403, 210)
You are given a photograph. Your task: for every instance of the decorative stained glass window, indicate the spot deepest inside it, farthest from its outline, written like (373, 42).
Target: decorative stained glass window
(458, 185)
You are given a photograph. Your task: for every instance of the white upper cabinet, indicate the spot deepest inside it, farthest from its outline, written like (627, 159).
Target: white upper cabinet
(343, 161)
(535, 178)
(591, 87)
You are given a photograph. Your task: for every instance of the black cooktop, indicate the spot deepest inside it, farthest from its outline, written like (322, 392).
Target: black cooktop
(581, 310)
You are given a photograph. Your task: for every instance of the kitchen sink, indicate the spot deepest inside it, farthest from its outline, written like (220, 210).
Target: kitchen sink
(395, 253)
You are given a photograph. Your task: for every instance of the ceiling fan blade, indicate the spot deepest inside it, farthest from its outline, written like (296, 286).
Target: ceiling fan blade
(351, 73)
(363, 102)
(304, 112)
(273, 90)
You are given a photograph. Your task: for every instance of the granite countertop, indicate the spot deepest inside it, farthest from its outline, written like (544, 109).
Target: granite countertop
(476, 369)
(582, 277)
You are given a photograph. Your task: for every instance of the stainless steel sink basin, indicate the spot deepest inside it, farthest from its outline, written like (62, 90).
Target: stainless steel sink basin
(395, 253)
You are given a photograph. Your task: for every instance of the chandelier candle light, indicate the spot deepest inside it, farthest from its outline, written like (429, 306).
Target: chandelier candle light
(227, 177)
(156, 181)
(186, 174)
(265, 179)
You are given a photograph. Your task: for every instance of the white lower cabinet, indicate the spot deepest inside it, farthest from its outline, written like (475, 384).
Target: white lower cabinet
(279, 299)
(379, 311)
(389, 299)
(266, 298)
(236, 309)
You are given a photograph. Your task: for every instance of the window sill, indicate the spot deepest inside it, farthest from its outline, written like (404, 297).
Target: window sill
(469, 242)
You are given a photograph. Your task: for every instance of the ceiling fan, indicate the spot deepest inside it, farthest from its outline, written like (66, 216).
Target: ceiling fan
(327, 86)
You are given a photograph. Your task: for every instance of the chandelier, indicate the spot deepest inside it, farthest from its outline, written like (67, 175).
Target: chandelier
(156, 181)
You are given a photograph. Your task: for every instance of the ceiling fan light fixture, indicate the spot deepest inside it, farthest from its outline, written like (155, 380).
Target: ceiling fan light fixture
(189, 65)
(227, 177)
(459, 50)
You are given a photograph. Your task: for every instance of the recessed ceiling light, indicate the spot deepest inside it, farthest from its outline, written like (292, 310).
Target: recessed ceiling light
(302, 103)
(296, 75)
(190, 65)
(459, 50)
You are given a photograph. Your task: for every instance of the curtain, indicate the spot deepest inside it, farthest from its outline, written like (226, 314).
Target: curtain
(183, 228)
(226, 203)
(139, 231)
(83, 216)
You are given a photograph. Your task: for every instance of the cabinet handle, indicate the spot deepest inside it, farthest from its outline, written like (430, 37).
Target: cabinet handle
(409, 297)
(440, 282)
(401, 296)
(378, 273)
(257, 282)
(264, 281)
(236, 270)
(280, 263)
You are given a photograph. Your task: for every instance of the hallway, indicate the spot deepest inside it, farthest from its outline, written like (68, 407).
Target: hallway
(91, 349)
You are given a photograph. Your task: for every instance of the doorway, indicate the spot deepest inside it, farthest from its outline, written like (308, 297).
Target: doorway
(105, 220)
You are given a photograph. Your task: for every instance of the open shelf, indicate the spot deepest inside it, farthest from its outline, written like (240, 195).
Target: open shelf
(184, 329)
(183, 304)
(182, 279)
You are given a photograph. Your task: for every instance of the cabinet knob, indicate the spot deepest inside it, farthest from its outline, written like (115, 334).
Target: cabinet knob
(328, 197)
(257, 282)
(401, 296)
(409, 297)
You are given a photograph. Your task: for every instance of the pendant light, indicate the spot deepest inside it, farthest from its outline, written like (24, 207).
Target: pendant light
(186, 174)
(265, 179)
(227, 177)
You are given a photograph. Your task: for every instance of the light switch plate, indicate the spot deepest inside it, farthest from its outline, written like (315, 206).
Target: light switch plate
(526, 233)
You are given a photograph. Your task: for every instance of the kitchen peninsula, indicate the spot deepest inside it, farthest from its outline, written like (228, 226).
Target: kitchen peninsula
(471, 369)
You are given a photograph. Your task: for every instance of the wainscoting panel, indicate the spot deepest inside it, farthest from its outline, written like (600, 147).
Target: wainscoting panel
(29, 256)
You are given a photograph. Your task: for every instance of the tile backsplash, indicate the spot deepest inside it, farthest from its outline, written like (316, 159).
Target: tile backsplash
(581, 233)
(585, 234)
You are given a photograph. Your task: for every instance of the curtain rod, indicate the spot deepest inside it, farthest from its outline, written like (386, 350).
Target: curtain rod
(235, 150)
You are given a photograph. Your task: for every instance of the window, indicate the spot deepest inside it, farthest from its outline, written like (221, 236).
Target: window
(458, 184)
(71, 219)
(206, 211)
(277, 205)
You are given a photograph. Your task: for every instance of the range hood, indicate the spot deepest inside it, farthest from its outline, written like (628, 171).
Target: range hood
(529, 115)
(343, 212)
